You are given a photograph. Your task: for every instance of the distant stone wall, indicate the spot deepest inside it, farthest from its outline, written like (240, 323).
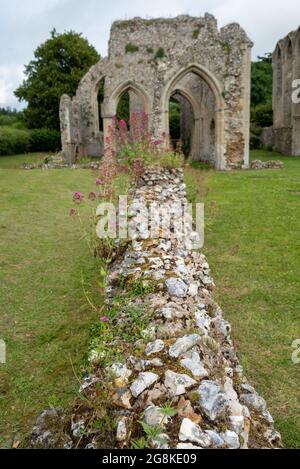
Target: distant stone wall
(286, 69)
(181, 375)
(151, 58)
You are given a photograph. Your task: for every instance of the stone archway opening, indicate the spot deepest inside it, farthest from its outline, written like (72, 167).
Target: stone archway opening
(201, 121)
(181, 123)
(129, 104)
(100, 99)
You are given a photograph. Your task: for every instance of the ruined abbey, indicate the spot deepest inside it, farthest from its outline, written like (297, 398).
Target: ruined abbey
(206, 69)
(285, 134)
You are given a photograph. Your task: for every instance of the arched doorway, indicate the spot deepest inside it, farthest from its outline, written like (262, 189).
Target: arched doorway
(202, 89)
(181, 123)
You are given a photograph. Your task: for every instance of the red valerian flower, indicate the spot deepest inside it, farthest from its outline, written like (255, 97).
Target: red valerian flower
(78, 197)
(104, 319)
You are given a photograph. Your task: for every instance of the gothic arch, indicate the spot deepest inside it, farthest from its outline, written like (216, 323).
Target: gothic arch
(215, 87)
(129, 85)
(196, 114)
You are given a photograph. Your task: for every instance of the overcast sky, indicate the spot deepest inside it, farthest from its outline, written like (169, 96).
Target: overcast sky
(24, 24)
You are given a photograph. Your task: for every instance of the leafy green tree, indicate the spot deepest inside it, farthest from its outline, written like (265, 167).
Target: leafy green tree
(261, 91)
(57, 68)
(262, 81)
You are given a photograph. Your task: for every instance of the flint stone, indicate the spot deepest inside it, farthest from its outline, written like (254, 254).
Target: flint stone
(155, 347)
(122, 433)
(216, 439)
(189, 431)
(193, 289)
(184, 344)
(176, 287)
(231, 439)
(122, 397)
(170, 329)
(237, 423)
(142, 365)
(235, 406)
(121, 371)
(173, 311)
(203, 321)
(144, 381)
(193, 364)
(273, 437)
(212, 400)
(254, 401)
(177, 383)
(155, 417)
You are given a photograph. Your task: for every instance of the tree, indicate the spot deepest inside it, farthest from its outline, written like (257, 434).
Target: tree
(57, 68)
(262, 81)
(261, 91)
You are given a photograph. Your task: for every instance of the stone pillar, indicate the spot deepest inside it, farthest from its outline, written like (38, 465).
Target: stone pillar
(107, 125)
(296, 106)
(135, 103)
(246, 105)
(67, 128)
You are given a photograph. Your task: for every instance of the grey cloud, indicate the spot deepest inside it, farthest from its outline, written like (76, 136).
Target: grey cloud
(25, 24)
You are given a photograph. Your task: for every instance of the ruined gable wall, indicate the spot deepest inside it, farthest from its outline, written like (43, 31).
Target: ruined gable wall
(149, 54)
(286, 69)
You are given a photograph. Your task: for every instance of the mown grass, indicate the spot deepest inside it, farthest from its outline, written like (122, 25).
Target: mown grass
(253, 245)
(44, 317)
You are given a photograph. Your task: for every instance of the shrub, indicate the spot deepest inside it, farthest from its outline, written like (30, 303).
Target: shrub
(255, 142)
(171, 160)
(262, 115)
(160, 54)
(45, 140)
(7, 120)
(131, 48)
(196, 33)
(15, 141)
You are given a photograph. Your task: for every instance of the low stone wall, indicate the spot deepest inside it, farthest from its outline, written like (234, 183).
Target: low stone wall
(182, 377)
(271, 164)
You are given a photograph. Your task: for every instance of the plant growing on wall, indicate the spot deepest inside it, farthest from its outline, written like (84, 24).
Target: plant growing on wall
(131, 48)
(160, 54)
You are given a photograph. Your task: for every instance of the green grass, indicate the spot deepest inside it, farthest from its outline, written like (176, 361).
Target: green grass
(16, 161)
(253, 246)
(252, 241)
(44, 317)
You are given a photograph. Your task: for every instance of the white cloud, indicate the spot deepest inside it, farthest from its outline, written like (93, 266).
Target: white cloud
(25, 24)
(10, 77)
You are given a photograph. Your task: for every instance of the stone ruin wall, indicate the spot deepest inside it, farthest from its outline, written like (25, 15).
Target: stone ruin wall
(183, 357)
(285, 134)
(185, 45)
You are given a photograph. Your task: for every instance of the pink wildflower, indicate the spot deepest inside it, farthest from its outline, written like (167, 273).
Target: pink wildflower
(78, 197)
(72, 212)
(104, 319)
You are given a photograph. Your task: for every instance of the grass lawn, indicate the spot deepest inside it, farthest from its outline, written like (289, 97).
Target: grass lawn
(253, 245)
(44, 318)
